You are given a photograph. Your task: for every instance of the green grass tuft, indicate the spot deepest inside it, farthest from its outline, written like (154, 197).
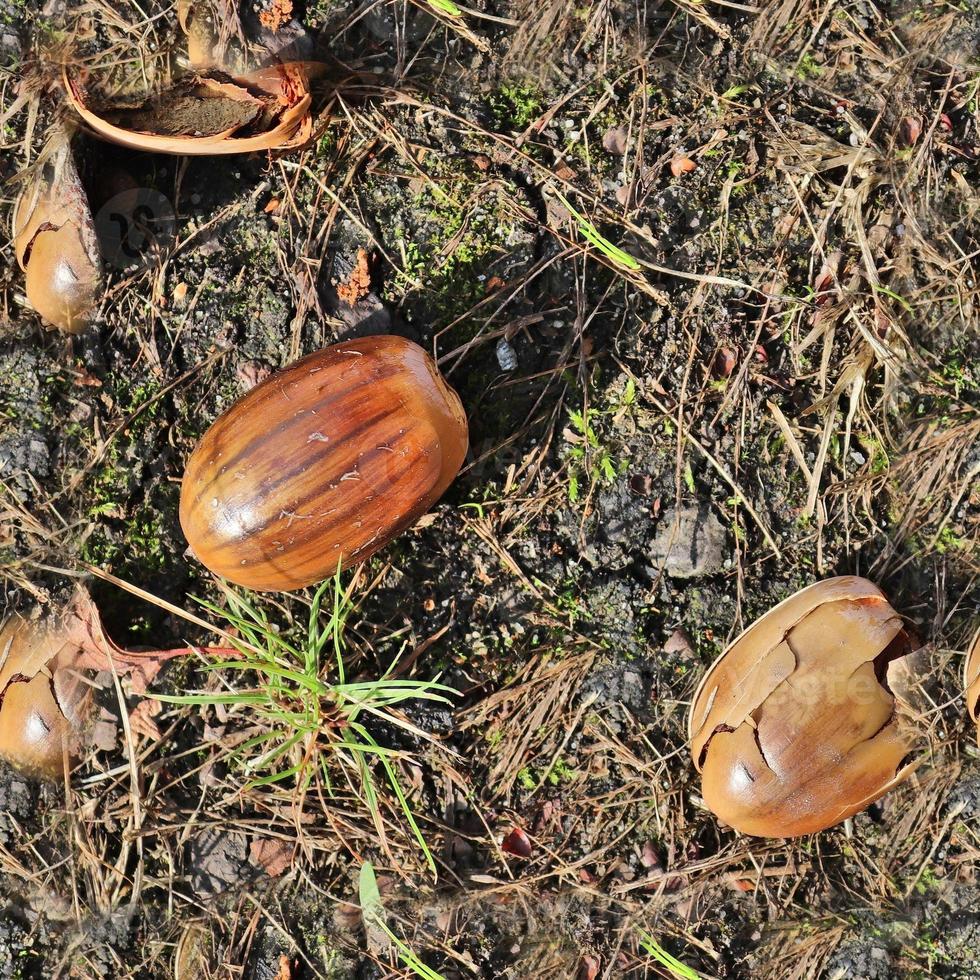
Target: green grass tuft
(318, 725)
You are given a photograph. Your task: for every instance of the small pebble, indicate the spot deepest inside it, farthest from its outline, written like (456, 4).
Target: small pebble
(506, 355)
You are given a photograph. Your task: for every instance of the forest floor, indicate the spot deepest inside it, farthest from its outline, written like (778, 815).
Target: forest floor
(774, 381)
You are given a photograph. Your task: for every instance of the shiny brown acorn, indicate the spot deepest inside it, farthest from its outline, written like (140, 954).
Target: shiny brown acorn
(800, 723)
(322, 464)
(55, 243)
(971, 681)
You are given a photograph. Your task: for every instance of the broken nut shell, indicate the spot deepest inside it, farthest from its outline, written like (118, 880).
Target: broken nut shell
(971, 681)
(55, 244)
(210, 113)
(795, 727)
(44, 703)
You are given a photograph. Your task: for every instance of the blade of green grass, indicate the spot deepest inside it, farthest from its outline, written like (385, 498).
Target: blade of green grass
(675, 967)
(373, 913)
(591, 233)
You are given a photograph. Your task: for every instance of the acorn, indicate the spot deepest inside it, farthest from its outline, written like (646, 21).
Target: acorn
(800, 723)
(55, 243)
(322, 464)
(971, 681)
(50, 665)
(44, 704)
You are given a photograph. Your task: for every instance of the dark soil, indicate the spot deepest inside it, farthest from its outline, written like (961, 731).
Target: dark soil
(630, 502)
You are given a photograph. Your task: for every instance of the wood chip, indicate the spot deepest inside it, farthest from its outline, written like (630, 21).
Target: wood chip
(273, 856)
(358, 284)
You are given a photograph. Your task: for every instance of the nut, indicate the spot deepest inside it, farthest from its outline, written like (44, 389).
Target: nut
(796, 726)
(55, 243)
(322, 464)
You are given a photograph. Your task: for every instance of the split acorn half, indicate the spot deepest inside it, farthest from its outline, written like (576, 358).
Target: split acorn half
(220, 107)
(801, 722)
(51, 666)
(209, 113)
(55, 242)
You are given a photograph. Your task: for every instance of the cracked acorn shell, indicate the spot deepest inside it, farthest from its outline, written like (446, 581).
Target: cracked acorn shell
(56, 245)
(44, 703)
(210, 113)
(971, 681)
(322, 464)
(795, 727)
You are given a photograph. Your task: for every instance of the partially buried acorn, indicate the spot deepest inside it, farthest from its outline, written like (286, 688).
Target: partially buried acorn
(55, 242)
(801, 723)
(322, 464)
(44, 704)
(971, 681)
(50, 666)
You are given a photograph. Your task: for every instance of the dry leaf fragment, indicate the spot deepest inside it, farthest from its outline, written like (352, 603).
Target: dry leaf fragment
(723, 363)
(55, 243)
(825, 289)
(624, 193)
(358, 283)
(681, 165)
(141, 719)
(909, 131)
(796, 726)
(252, 372)
(679, 642)
(614, 140)
(273, 856)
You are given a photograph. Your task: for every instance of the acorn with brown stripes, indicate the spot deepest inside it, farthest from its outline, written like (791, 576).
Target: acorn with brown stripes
(322, 464)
